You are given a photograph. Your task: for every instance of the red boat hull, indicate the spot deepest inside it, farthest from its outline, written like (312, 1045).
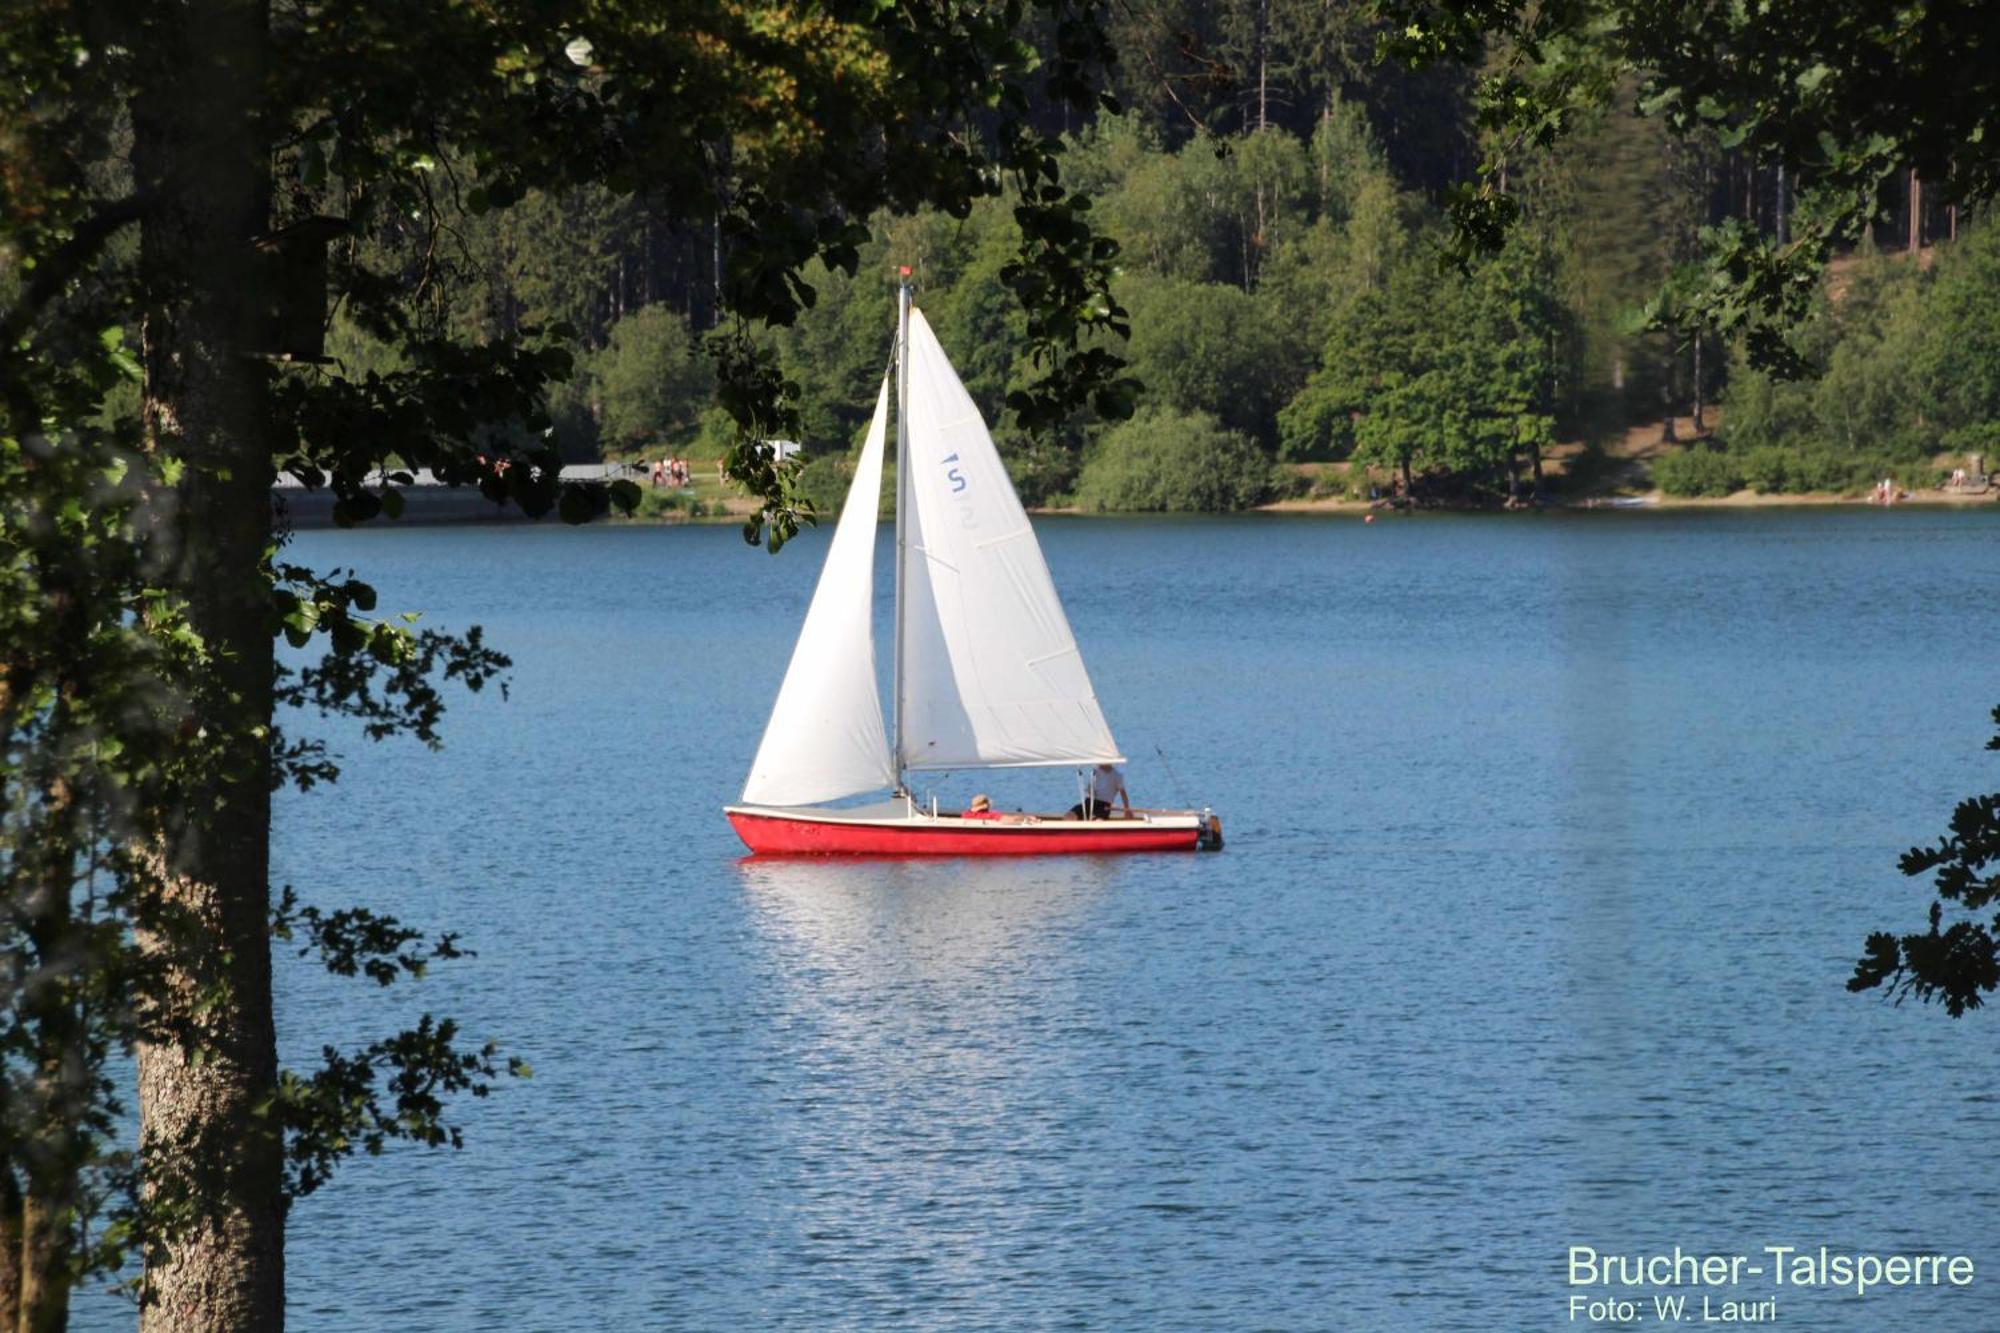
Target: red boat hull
(792, 835)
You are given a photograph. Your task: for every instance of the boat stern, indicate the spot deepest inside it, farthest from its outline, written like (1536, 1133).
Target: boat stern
(1209, 838)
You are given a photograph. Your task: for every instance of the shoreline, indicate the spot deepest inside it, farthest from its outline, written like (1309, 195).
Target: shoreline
(1639, 502)
(442, 506)
(1646, 504)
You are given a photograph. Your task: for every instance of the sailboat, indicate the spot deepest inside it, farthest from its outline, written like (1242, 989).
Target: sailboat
(986, 673)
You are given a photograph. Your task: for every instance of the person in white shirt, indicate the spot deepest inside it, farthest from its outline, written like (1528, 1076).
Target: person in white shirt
(1107, 784)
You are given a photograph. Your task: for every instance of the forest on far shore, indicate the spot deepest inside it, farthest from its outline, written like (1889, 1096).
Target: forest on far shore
(1276, 195)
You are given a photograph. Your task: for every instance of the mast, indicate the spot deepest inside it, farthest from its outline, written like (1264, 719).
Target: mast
(902, 507)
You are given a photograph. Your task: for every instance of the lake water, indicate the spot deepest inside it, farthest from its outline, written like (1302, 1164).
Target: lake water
(1551, 842)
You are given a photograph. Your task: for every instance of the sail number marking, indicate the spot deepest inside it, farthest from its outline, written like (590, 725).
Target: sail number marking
(968, 516)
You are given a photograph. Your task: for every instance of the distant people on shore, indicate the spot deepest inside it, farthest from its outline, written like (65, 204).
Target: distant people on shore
(677, 473)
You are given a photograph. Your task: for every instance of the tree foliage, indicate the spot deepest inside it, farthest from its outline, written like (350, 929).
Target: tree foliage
(1262, 271)
(651, 382)
(1904, 363)
(1434, 374)
(1844, 96)
(1165, 460)
(1216, 349)
(1956, 961)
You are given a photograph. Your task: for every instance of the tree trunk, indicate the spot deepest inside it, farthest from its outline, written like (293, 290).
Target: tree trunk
(1698, 427)
(10, 1247)
(42, 1210)
(1263, 64)
(1781, 212)
(1916, 213)
(1669, 401)
(1323, 138)
(45, 1256)
(200, 143)
(50, 1111)
(1260, 244)
(715, 306)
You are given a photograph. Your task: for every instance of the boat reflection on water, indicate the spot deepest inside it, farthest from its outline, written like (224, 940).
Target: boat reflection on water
(929, 1027)
(862, 923)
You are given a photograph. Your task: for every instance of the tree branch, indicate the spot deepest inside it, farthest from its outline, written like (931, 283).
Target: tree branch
(54, 272)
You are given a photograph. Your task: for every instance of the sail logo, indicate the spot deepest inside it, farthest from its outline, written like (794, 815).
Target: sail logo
(953, 475)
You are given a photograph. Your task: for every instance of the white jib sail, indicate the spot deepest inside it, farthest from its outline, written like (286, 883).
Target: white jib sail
(991, 673)
(825, 738)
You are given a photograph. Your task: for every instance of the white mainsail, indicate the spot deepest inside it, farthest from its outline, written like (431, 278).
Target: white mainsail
(991, 676)
(825, 738)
